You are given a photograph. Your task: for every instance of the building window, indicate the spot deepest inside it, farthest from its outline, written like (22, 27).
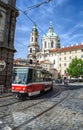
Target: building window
(52, 44)
(45, 44)
(30, 50)
(36, 39)
(64, 64)
(81, 56)
(70, 57)
(65, 71)
(64, 58)
(36, 33)
(0, 17)
(32, 39)
(0, 14)
(60, 59)
(60, 65)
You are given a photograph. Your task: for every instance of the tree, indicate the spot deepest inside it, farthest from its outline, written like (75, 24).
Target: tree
(75, 68)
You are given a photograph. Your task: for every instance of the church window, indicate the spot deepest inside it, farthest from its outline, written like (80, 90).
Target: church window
(52, 44)
(54, 61)
(36, 33)
(32, 38)
(30, 50)
(45, 44)
(36, 39)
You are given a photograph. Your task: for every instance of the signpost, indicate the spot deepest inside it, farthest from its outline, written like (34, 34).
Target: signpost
(2, 67)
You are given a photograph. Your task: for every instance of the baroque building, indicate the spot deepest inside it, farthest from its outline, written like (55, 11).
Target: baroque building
(33, 46)
(51, 56)
(8, 14)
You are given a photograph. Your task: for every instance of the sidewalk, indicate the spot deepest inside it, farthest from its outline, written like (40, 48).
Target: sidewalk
(76, 83)
(5, 94)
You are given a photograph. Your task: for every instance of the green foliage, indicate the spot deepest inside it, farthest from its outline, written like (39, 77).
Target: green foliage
(75, 68)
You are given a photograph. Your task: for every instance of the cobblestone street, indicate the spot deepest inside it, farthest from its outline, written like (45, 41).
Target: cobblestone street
(67, 113)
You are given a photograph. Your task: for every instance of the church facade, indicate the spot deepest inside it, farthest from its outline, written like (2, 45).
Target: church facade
(51, 56)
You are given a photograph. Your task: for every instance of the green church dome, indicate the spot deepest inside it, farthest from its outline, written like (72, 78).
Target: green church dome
(34, 28)
(50, 32)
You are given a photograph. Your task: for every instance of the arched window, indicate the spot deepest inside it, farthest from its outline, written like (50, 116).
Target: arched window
(52, 44)
(32, 39)
(36, 39)
(30, 50)
(45, 44)
(54, 61)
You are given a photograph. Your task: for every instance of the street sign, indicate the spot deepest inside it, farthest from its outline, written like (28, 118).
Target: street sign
(2, 64)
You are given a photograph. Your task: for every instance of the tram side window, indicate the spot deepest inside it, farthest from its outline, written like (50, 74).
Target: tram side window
(37, 76)
(47, 77)
(30, 75)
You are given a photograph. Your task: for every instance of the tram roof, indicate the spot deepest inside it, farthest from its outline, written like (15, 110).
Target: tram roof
(36, 67)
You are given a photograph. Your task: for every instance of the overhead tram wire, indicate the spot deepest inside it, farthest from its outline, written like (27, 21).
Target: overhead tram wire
(36, 6)
(32, 7)
(21, 43)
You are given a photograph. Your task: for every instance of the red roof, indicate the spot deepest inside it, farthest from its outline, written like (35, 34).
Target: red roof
(70, 48)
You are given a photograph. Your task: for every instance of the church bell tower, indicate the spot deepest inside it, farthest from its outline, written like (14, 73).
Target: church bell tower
(33, 46)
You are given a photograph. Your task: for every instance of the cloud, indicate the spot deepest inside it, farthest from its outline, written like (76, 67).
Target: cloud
(67, 23)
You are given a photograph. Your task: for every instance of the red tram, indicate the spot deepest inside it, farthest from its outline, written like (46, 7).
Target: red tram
(29, 81)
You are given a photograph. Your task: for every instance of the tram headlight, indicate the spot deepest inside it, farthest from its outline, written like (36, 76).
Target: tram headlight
(24, 89)
(13, 88)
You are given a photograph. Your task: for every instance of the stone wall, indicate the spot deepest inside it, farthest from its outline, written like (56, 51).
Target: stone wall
(8, 21)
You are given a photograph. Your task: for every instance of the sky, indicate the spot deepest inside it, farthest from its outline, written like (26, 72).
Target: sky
(66, 17)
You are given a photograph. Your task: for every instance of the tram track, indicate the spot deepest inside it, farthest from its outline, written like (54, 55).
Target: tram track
(34, 104)
(40, 114)
(5, 105)
(5, 96)
(31, 106)
(58, 91)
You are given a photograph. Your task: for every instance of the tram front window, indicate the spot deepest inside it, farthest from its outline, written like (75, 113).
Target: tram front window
(20, 75)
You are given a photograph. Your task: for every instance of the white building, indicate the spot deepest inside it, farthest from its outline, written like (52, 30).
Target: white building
(51, 56)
